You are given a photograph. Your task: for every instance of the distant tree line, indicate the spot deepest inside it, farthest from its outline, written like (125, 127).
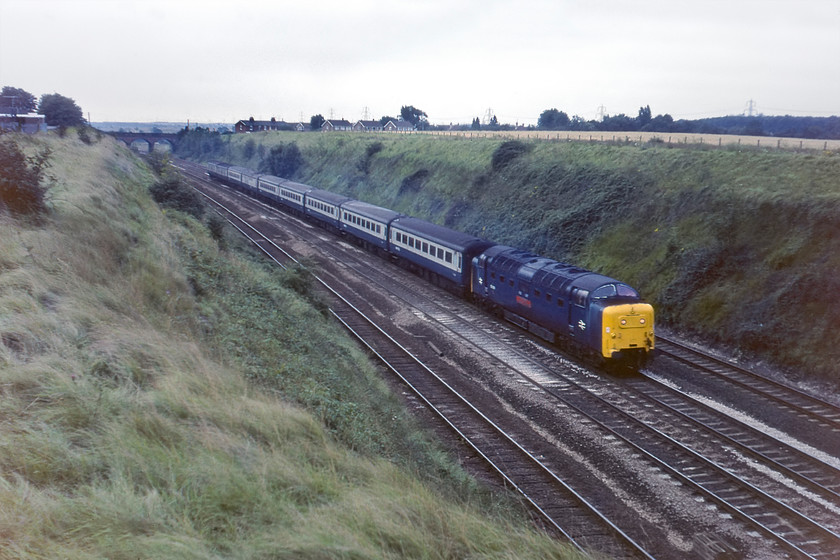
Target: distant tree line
(761, 125)
(57, 109)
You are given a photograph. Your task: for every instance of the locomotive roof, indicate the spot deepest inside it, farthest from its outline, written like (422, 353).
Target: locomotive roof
(542, 271)
(438, 234)
(370, 210)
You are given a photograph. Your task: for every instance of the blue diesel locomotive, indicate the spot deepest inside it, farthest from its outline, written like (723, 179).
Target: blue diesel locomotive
(587, 313)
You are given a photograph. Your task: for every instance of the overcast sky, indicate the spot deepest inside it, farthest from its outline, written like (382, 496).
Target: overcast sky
(221, 61)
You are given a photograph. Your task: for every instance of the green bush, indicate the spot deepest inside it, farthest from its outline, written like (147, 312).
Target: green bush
(283, 160)
(171, 192)
(506, 153)
(21, 191)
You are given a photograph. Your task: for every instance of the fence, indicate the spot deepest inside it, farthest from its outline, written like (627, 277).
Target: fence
(714, 140)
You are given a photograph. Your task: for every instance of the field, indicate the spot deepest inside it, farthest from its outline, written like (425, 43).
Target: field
(663, 137)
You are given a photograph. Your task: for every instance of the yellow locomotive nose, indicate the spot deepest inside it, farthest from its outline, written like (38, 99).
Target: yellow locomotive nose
(627, 328)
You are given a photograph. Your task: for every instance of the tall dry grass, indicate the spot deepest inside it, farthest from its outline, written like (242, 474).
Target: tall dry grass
(130, 426)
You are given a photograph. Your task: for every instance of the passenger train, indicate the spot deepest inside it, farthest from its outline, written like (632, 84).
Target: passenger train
(581, 311)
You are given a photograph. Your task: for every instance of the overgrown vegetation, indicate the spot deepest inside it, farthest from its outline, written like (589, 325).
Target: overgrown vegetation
(737, 246)
(165, 397)
(282, 160)
(22, 191)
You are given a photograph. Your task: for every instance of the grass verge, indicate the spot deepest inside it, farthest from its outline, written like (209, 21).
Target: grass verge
(164, 395)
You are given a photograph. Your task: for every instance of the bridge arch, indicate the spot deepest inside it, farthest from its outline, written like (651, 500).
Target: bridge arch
(146, 141)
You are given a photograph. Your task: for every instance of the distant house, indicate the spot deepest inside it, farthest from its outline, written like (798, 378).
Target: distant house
(252, 125)
(336, 125)
(300, 127)
(368, 126)
(29, 123)
(398, 126)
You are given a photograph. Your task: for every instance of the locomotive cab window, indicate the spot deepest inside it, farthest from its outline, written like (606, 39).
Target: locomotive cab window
(579, 297)
(604, 292)
(626, 291)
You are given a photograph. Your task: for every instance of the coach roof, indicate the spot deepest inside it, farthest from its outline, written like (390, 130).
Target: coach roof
(370, 211)
(438, 234)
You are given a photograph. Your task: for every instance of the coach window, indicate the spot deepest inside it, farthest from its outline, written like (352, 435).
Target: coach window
(448, 257)
(425, 247)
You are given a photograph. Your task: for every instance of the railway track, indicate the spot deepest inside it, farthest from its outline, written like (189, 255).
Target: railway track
(559, 506)
(822, 413)
(809, 418)
(616, 417)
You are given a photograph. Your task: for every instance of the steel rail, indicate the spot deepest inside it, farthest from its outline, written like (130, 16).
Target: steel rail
(637, 549)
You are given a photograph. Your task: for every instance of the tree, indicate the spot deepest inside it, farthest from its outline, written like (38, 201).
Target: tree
(60, 111)
(476, 124)
(415, 116)
(552, 119)
(171, 192)
(660, 123)
(249, 149)
(20, 182)
(283, 161)
(17, 101)
(644, 117)
(316, 122)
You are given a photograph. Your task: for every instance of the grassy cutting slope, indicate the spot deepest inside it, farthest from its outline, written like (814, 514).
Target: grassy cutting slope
(741, 246)
(162, 397)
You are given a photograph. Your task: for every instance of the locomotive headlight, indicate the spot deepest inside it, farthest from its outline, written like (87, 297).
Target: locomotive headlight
(624, 321)
(641, 320)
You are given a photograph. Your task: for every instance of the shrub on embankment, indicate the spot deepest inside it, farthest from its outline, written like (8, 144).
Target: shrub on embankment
(738, 246)
(164, 397)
